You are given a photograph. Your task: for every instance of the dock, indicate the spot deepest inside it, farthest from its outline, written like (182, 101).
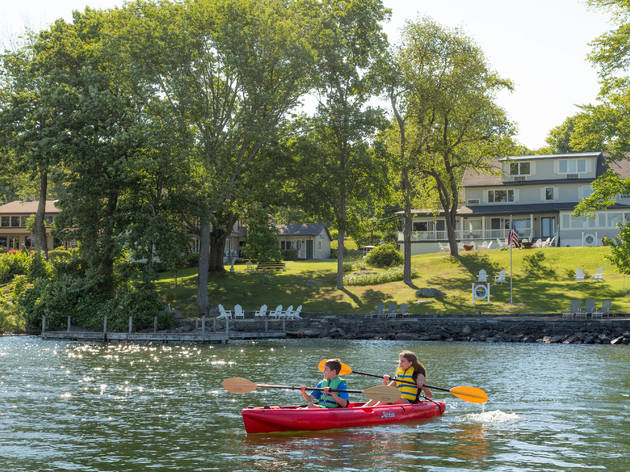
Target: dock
(201, 334)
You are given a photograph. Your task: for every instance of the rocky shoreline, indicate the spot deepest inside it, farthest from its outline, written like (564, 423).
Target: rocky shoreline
(500, 328)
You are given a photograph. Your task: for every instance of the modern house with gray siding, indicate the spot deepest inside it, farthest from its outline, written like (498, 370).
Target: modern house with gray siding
(535, 195)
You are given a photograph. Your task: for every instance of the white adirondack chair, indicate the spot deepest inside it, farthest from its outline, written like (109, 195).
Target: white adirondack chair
(499, 279)
(579, 275)
(483, 276)
(286, 313)
(599, 276)
(295, 315)
(261, 312)
(238, 312)
(276, 313)
(223, 313)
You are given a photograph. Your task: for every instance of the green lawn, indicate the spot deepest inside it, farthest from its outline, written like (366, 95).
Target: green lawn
(312, 284)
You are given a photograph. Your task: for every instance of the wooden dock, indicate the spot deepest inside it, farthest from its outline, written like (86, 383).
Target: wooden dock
(202, 335)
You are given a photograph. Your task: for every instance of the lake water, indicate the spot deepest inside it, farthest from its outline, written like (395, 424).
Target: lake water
(68, 406)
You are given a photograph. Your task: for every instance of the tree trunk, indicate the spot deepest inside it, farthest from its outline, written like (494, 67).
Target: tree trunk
(40, 229)
(224, 221)
(340, 257)
(451, 227)
(202, 272)
(217, 248)
(407, 225)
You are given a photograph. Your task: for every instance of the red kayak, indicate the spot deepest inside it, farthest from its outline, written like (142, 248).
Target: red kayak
(293, 418)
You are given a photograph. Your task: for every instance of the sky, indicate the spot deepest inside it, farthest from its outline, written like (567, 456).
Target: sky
(541, 45)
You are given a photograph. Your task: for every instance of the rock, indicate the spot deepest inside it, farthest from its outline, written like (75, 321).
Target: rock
(618, 340)
(429, 293)
(466, 330)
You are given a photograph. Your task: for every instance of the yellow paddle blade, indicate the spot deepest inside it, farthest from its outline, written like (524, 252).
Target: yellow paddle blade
(238, 385)
(382, 393)
(345, 368)
(470, 394)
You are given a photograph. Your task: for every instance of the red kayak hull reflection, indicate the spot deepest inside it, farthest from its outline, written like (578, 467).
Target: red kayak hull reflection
(293, 418)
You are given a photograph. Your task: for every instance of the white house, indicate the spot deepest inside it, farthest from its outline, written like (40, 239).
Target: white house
(533, 194)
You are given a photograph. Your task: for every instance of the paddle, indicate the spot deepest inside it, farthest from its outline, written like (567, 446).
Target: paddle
(380, 393)
(468, 394)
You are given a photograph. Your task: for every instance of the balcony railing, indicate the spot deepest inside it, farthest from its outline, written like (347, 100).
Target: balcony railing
(466, 235)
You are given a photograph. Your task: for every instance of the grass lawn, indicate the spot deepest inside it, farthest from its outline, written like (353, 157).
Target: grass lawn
(312, 284)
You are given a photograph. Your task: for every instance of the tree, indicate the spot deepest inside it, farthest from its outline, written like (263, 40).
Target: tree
(262, 237)
(337, 167)
(447, 110)
(229, 71)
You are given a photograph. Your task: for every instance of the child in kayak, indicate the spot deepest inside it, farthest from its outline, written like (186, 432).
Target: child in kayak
(328, 399)
(410, 369)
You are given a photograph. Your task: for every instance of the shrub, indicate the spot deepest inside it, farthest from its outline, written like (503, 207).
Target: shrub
(392, 275)
(347, 268)
(385, 255)
(11, 316)
(14, 263)
(39, 268)
(290, 254)
(192, 259)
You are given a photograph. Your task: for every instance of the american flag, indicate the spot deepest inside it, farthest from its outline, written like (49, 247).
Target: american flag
(513, 239)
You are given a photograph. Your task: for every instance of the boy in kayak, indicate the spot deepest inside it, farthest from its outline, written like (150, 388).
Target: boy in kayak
(327, 398)
(410, 370)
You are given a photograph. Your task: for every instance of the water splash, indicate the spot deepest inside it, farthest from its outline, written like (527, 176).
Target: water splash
(491, 417)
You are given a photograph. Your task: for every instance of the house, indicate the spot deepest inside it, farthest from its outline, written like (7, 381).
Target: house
(311, 240)
(535, 195)
(13, 231)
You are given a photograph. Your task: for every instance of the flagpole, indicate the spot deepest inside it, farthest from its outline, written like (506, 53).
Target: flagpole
(510, 240)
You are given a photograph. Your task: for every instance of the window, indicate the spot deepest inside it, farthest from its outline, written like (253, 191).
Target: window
(421, 226)
(549, 193)
(23, 221)
(5, 221)
(572, 166)
(499, 196)
(519, 168)
(439, 225)
(15, 221)
(48, 219)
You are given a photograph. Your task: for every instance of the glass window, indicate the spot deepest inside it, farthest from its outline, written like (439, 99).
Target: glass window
(5, 221)
(524, 168)
(490, 196)
(439, 225)
(562, 166)
(420, 226)
(614, 219)
(549, 193)
(15, 221)
(566, 221)
(23, 221)
(514, 168)
(601, 218)
(519, 168)
(48, 219)
(581, 166)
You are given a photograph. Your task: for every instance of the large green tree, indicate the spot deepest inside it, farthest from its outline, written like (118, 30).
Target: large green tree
(230, 71)
(337, 167)
(446, 113)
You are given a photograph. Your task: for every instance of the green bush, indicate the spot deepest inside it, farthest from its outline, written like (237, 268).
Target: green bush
(12, 264)
(192, 259)
(290, 254)
(385, 255)
(391, 275)
(347, 268)
(39, 268)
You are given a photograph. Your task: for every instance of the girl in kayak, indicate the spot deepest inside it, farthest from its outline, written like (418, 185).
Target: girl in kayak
(410, 369)
(328, 399)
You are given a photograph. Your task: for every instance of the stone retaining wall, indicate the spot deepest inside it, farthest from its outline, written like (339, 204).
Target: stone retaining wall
(531, 328)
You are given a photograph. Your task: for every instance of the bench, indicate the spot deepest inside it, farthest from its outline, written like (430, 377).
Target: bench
(271, 266)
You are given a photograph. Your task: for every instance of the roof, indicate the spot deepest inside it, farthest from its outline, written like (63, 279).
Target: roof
(302, 229)
(19, 207)
(479, 210)
(474, 178)
(551, 156)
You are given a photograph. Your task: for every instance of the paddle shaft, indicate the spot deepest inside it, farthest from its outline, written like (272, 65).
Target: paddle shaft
(291, 387)
(400, 381)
